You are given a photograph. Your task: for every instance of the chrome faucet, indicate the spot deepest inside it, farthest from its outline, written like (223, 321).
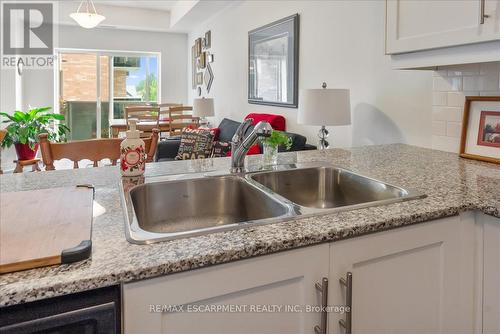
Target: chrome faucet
(241, 144)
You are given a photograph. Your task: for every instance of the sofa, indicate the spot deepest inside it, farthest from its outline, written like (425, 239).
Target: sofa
(167, 149)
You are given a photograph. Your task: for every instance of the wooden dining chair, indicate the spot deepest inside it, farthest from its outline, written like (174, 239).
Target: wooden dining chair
(169, 105)
(164, 117)
(147, 117)
(92, 149)
(181, 117)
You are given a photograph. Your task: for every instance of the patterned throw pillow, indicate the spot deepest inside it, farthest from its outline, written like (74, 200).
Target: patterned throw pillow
(221, 149)
(195, 144)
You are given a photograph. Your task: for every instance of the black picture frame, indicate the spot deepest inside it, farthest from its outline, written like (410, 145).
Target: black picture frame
(289, 27)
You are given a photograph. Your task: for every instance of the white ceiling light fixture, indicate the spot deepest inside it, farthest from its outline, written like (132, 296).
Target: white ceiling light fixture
(89, 18)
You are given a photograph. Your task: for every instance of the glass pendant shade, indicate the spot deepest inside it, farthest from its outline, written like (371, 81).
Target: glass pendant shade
(89, 18)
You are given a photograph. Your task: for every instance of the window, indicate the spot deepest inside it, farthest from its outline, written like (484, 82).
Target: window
(95, 86)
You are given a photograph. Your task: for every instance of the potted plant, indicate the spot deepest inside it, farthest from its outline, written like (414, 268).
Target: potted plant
(24, 127)
(271, 144)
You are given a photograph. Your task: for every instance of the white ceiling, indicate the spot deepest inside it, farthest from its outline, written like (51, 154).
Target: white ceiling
(164, 5)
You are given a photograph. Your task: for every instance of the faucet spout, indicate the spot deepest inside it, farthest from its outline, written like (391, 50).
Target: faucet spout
(241, 143)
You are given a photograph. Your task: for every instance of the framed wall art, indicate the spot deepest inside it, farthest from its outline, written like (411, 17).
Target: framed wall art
(199, 78)
(207, 40)
(481, 129)
(198, 46)
(203, 60)
(193, 67)
(273, 63)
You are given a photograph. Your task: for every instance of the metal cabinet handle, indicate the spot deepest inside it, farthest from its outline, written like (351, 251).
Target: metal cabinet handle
(347, 323)
(323, 289)
(482, 15)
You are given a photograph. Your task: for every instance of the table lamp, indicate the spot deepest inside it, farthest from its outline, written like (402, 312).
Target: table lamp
(203, 108)
(324, 107)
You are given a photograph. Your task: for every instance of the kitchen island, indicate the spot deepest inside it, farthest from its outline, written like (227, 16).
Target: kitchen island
(452, 185)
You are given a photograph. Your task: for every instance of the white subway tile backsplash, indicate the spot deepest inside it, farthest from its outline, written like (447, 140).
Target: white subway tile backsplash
(466, 69)
(472, 83)
(486, 68)
(481, 82)
(443, 143)
(439, 128)
(455, 99)
(489, 93)
(490, 82)
(453, 129)
(439, 98)
(451, 84)
(453, 114)
(445, 84)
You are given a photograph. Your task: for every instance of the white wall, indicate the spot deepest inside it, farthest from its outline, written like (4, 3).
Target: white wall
(450, 86)
(38, 84)
(342, 43)
(7, 104)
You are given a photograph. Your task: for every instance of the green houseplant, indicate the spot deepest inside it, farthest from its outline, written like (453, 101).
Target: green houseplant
(271, 144)
(24, 127)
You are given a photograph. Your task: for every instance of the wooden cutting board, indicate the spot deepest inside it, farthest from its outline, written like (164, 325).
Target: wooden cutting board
(45, 227)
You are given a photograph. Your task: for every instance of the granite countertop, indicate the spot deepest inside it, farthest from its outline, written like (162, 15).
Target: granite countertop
(452, 184)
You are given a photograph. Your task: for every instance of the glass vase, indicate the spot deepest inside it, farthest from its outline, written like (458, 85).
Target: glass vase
(270, 156)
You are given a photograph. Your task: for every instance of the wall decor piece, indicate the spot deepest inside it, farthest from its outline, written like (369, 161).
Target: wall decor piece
(210, 57)
(208, 40)
(193, 67)
(208, 78)
(198, 46)
(199, 78)
(481, 129)
(273, 63)
(203, 60)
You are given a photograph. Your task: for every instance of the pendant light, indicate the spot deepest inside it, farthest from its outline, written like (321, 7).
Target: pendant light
(89, 18)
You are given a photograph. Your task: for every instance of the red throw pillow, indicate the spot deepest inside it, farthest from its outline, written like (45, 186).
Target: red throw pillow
(277, 121)
(254, 149)
(216, 132)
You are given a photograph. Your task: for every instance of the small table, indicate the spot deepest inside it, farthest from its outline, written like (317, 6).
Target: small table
(20, 164)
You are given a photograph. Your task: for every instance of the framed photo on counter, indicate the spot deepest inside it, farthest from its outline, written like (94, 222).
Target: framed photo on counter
(481, 129)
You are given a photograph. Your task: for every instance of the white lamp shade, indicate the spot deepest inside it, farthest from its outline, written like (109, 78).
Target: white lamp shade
(324, 107)
(87, 20)
(203, 107)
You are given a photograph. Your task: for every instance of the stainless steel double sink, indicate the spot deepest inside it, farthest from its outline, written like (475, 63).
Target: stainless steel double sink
(171, 207)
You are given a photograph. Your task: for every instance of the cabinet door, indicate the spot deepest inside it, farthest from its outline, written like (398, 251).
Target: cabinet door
(250, 290)
(491, 278)
(413, 25)
(416, 279)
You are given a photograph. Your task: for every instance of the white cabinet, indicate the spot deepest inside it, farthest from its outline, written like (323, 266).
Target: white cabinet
(491, 274)
(414, 25)
(421, 278)
(417, 279)
(286, 278)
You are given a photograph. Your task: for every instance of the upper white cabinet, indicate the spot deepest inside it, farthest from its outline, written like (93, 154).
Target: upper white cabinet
(413, 280)
(415, 25)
